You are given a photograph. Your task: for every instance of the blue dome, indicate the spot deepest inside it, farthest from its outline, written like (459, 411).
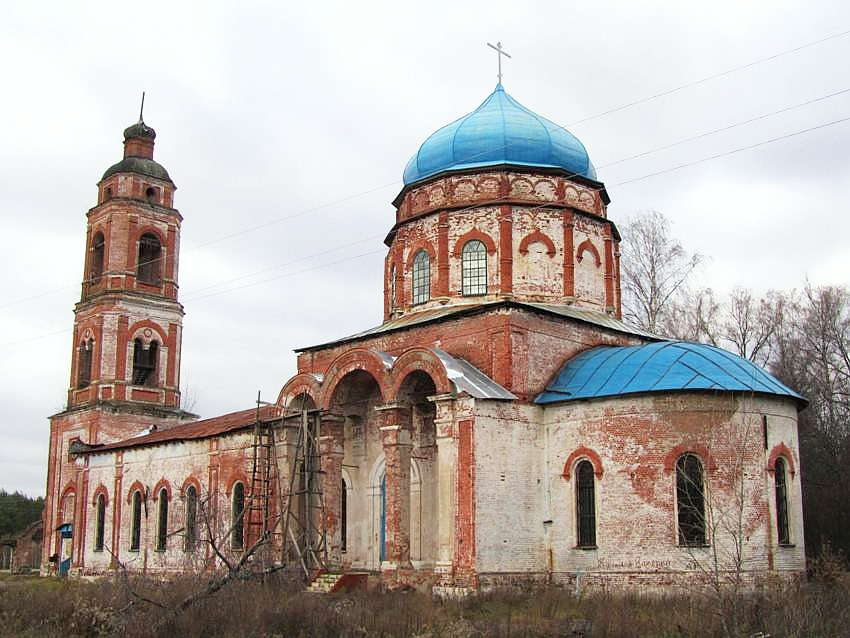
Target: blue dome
(666, 366)
(500, 131)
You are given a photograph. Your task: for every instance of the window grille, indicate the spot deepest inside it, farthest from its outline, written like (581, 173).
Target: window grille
(474, 268)
(421, 277)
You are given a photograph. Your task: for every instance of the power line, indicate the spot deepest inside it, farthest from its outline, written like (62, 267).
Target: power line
(710, 77)
(592, 117)
(732, 152)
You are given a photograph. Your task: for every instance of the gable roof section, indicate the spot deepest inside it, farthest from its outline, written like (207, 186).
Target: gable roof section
(191, 431)
(667, 366)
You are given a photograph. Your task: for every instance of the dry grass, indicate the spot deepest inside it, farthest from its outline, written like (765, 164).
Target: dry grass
(49, 607)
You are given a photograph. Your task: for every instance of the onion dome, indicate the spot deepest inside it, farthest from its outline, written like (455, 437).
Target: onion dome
(138, 154)
(666, 366)
(499, 132)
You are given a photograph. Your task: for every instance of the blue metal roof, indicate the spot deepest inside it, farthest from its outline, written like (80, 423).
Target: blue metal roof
(500, 131)
(666, 366)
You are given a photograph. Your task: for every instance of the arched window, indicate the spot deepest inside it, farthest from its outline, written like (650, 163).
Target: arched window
(421, 277)
(162, 520)
(393, 301)
(690, 500)
(343, 516)
(84, 363)
(191, 526)
(136, 522)
(150, 259)
(474, 268)
(99, 522)
(780, 479)
(237, 537)
(145, 363)
(97, 249)
(585, 505)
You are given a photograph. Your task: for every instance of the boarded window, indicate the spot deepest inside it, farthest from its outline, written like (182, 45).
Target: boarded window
(191, 526)
(237, 537)
(136, 522)
(162, 520)
(150, 259)
(585, 505)
(421, 277)
(99, 522)
(690, 500)
(145, 363)
(474, 268)
(780, 478)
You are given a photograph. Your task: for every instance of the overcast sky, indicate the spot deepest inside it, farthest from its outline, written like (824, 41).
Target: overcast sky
(286, 127)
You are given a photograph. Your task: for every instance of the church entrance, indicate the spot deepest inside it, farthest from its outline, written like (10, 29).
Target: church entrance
(65, 548)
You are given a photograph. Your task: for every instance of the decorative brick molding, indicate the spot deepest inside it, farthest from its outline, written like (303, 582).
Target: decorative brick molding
(162, 484)
(484, 238)
(101, 489)
(537, 236)
(587, 246)
(581, 453)
(693, 448)
(781, 450)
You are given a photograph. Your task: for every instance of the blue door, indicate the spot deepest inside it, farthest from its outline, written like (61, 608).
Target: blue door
(65, 536)
(383, 518)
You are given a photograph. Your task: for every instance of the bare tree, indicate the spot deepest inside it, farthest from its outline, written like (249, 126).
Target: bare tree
(654, 269)
(694, 316)
(752, 325)
(813, 356)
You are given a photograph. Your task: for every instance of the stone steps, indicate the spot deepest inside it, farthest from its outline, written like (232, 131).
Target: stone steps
(324, 583)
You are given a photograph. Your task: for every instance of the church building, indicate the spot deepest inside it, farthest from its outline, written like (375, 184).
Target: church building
(502, 424)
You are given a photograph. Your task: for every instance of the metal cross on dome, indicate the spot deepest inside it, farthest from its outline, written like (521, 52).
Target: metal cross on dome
(498, 49)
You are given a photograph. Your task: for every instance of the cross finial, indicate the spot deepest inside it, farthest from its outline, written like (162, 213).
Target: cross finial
(498, 49)
(142, 108)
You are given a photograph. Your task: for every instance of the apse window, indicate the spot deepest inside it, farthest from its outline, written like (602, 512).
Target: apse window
(585, 505)
(421, 277)
(780, 479)
(150, 259)
(690, 501)
(474, 268)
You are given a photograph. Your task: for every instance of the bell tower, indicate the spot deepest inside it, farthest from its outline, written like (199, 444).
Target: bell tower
(128, 322)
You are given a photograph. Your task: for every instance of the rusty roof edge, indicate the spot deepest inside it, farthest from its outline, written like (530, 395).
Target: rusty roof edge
(599, 319)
